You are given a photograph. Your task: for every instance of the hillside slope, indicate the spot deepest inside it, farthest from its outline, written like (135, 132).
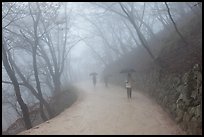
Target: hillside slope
(177, 85)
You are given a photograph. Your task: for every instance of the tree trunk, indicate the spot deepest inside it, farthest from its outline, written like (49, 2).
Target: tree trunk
(178, 32)
(141, 37)
(13, 78)
(32, 89)
(42, 114)
(41, 99)
(57, 83)
(34, 52)
(38, 83)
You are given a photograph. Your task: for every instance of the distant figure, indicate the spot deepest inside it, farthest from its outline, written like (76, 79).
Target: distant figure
(106, 78)
(128, 85)
(93, 78)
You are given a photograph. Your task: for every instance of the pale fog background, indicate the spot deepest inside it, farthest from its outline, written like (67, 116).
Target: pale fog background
(82, 59)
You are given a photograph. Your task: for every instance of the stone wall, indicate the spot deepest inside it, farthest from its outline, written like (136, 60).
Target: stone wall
(179, 94)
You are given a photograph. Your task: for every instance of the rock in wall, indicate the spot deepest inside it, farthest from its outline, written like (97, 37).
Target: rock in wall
(179, 94)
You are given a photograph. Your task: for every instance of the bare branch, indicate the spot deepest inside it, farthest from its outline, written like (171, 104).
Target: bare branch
(8, 11)
(142, 15)
(175, 24)
(9, 82)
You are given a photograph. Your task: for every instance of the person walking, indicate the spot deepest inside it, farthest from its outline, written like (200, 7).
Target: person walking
(106, 80)
(93, 78)
(128, 85)
(129, 81)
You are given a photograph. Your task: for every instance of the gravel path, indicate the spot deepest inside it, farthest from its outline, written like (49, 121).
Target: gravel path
(108, 111)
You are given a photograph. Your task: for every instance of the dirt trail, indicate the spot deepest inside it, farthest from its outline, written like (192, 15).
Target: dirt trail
(108, 111)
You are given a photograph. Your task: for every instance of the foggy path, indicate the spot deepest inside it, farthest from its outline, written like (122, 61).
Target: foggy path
(108, 111)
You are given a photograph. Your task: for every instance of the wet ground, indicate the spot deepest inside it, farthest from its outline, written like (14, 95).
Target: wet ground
(105, 111)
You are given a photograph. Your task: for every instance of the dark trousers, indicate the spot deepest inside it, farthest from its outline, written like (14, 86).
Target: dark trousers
(106, 83)
(94, 83)
(129, 90)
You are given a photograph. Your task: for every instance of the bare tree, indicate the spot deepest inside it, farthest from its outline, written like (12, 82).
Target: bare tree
(105, 40)
(175, 24)
(57, 58)
(159, 16)
(97, 54)
(11, 100)
(10, 71)
(33, 50)
(141, 37)
(11, 74)
(33, 91)
(34, 54)
(136, 16)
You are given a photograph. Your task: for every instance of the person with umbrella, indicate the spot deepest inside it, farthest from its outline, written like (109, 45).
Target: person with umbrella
(106, 79)
(129, 81)
(93, 78)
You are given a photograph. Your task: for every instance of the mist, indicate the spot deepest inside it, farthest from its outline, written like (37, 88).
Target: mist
(49, 50)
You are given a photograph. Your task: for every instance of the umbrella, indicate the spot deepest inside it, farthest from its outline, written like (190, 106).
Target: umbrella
(127, 71)
(93, 73)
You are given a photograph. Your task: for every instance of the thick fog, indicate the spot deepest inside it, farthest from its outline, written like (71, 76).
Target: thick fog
(53, 45)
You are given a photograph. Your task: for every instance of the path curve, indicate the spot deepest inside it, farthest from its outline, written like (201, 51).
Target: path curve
(108, 111)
